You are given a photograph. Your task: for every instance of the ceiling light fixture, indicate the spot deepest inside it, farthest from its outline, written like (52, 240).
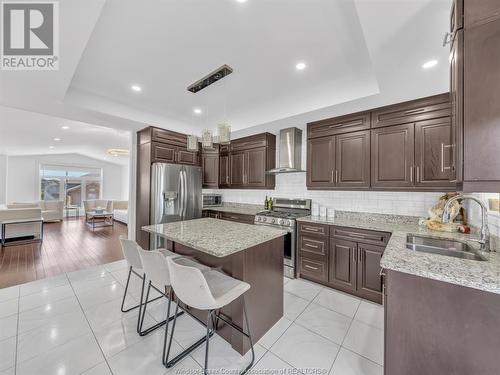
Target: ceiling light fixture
(197, 111)
(429, 64)
(300, 66)
(118, 152)
(136, 88)
(241, 1)
(51, 147)
(57, 139)
(64, 127)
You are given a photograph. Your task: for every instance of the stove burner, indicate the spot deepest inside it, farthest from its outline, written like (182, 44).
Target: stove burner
(282, 214)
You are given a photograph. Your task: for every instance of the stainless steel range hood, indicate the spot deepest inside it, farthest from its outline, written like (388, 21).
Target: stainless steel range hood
(290, 151)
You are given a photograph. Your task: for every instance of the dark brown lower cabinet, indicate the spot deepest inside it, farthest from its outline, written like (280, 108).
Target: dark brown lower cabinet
(240, 218)
(342, 265)
(352, 262)
(433, 327)
(368, 271)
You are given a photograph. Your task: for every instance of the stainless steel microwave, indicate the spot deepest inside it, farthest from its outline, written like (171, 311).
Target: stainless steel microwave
(212, 200)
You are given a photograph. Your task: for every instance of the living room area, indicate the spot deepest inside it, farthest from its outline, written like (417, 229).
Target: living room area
(64, 195)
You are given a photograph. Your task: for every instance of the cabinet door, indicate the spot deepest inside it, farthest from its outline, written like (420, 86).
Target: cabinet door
(321, 162)
(456, 16)
(210, 165)
(237, 168)
(432, 153)
(457, 106)
(392, 156)
(481, 109)
(164, 153)
(224, 171)
(187, 157)
(342, 264)
(480, 12)
(368, 272)
(256, 168)
(352, 160)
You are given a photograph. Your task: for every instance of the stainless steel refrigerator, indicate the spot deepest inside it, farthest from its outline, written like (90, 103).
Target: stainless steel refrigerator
(175, 194)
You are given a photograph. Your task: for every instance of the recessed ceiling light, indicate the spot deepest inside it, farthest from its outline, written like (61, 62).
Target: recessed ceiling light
(197, 111)
(118, 152)
(136, 88)
(429, 64)
(241, 1)
(57, 139)
(51, 147)
(64, 127)
(300, 66)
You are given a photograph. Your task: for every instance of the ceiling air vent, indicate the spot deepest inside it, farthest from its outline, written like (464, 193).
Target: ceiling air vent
(213, 77)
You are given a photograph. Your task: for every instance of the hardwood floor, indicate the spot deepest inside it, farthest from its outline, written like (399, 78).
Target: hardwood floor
(67, 246)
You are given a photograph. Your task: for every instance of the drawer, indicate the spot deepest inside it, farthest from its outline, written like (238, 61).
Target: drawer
(312, 246)
(339, 125)
(360, 235)
(240, 218)
(320, 230)
(314, 269)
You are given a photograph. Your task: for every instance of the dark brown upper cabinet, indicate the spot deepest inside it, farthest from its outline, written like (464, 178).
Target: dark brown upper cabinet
(352, 160)
(237, 168)
(393, 157)
(210, 165)
(224, 172)
(244, 164)
(474, 88)
(457, 107)
(321, 162)
(338, 125)
(456, 17)
(432, 153)
(479, 12)
(409, 112)
(339, 161)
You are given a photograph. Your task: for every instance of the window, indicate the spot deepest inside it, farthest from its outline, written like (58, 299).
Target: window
(73, 184)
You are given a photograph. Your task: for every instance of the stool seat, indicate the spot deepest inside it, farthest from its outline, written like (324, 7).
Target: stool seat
(224, 288)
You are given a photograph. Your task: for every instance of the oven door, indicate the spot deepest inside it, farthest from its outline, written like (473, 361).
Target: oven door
(289, 255)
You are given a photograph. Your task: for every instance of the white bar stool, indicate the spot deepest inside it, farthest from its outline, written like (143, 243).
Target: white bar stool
(209, 290)
(130, 251)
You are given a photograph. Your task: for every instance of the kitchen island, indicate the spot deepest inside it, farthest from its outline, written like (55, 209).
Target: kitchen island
(253, 254)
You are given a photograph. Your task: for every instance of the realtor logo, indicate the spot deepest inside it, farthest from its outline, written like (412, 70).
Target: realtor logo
(30, 35)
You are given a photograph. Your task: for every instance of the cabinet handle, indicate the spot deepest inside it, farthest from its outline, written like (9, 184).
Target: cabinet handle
(357, 235)
(417, 173)
(311, 229)
(313, 246)
(336, 176)
(443, 146)
(332, 178)
(354, 254)
(411, 174)
(412, 111)
(311, 267)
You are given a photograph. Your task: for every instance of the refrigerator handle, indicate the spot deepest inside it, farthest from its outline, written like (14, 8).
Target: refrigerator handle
(180, 198)
(185, 197)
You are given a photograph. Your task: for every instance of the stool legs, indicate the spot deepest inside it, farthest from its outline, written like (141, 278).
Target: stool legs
(210, 322)
(125, 294)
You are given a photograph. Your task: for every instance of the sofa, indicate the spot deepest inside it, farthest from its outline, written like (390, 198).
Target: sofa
(120, 211)
(51, 210)
(10, 214)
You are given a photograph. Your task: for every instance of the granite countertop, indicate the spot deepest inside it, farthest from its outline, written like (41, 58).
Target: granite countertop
(482, 275)
(216, 237)
(238, 208)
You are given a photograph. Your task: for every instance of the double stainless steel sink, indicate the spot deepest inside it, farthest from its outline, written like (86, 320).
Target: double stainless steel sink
(441, 246)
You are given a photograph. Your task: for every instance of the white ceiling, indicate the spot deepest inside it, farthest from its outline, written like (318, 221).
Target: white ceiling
(29, 133)
(359, 54)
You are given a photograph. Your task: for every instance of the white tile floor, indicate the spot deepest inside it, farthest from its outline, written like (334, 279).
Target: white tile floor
(72, 324)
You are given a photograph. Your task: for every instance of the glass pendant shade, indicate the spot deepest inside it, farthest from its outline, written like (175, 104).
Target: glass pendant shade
(192, 143)
(207, 139)
(224, 131)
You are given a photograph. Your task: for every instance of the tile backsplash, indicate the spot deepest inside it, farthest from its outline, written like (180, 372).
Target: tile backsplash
(293, 185)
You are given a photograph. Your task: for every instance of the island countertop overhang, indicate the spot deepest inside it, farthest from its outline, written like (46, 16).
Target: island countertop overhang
(219, 238)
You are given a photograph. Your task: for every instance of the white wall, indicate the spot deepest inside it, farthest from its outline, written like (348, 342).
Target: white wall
(3, 179)
(23, 175)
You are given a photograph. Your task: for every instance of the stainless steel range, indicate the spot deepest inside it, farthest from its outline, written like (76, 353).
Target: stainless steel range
(283, 215)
